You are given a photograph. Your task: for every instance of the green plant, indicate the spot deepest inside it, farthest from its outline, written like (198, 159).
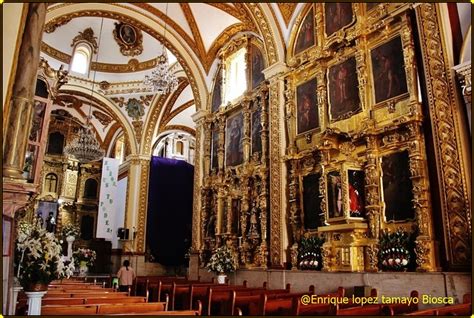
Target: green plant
(37, 255)
(309, 253)
(222, 261)
(395, 250)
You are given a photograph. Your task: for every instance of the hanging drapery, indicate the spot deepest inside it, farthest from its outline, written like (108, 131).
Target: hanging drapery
(170, 207)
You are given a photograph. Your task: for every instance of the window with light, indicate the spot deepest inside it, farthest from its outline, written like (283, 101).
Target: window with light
(81, 60)
(235, 83)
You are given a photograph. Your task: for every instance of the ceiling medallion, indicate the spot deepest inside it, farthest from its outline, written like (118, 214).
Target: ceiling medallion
(129, 38)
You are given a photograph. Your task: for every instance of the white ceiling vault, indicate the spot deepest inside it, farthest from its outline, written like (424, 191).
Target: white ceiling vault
(193, 33)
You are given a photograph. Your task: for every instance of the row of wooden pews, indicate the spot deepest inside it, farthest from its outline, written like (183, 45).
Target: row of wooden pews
(79, 298)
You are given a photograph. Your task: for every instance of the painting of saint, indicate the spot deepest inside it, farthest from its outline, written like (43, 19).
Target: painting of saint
(216, 94)
(307, 107)
(305, 38)
(334, 194)
(235, 208)
(343, 90)
(257, 130)
(312, 202)
(258, 64)
(388, 70)
(397, 187)
(128, 34)
(356, 193)
(337, 15)
(214, 146)
(234, 153)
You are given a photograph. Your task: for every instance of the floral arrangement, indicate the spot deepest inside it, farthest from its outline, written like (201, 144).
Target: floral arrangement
(66, 267)
(309, 253)
(84, 255)
(394, 250)
(70, 229)
(222, 261)
(37, 255)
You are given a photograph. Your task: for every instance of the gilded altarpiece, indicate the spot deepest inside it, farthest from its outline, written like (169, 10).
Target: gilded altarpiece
(235, 204)
(370, 115)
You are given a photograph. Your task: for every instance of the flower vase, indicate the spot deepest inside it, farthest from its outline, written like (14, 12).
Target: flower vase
(221, 278)
(83, 269)
(34, 292)
(69, 239)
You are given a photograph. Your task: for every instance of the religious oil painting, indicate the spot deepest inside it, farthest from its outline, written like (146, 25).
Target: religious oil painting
(397, 187)
(388, 69)
(234, 153)
(356, 193)
(337, 15)
(128, 34)
(334, 195)
(312, 201)
(306, 37)
(235, 210)
(216, 94)
(256, 129)
(214, 146)
(257, 66)
(307, 106)
(343, 88)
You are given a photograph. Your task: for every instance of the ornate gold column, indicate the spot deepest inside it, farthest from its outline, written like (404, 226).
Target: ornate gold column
(19, 117)
(449, 138)
(277, 167)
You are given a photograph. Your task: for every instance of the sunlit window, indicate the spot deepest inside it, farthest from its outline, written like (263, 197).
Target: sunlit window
(80, 60)
(235, 76)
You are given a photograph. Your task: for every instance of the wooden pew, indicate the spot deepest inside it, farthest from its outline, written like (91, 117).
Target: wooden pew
(238, 301)
(368, 310)
(398, 309)
(62, 301)
(115, 300)
(190, 312)
(283, 304)
(59, 310)
(200, 292)
(107, 309)
(450, 310)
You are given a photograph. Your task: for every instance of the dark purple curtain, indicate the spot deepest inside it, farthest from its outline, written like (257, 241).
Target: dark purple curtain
(170, 208)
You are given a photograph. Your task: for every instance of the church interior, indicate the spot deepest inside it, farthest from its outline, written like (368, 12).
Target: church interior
(303, 147)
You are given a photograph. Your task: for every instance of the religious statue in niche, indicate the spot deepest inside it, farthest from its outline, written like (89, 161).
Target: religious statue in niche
(305, 38)
(257, 130)
(129, 39)
(258, 64)
(214, 146)
(235, 208)
(38, 115)
(356, 193)
(337, 15)
(397, 187)
(334, 195)
(234, 152)
(307, 107)
(388, 70)
(311, 201)
(343, 90)
(216, 94)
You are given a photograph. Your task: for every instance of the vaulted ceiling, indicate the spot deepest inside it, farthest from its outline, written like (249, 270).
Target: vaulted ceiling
(193, 33)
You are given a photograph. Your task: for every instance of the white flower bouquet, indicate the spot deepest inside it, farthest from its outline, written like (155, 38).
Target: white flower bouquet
(222, 261)
(37, 255)
(70, 229)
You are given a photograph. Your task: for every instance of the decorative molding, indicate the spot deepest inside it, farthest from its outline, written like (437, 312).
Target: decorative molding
(170, 115)
(143, 204)
(187, 129)
(102, 118)
(287, 9)
(132, 66)
(86, 36)
(454, 193)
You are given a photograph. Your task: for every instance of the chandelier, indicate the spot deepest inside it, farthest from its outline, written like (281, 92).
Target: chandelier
(85, 147)
(162, 81)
